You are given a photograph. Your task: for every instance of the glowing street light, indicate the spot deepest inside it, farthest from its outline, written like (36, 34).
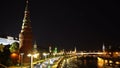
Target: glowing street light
(45, 54)
(31, 58)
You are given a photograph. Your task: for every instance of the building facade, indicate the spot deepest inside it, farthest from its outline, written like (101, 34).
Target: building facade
(8, 41)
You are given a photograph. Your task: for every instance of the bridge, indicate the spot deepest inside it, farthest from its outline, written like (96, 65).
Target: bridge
(90, 53)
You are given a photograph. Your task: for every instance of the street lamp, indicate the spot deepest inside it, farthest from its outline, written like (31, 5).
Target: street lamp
(45, 55)
(21, 54)
(31, 58)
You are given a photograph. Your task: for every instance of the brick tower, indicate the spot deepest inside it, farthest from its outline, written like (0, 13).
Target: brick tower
(26, 36)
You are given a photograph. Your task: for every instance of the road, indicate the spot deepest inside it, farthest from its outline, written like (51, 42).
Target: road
(48, 63)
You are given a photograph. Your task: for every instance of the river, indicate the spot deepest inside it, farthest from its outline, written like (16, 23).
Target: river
(81, 63)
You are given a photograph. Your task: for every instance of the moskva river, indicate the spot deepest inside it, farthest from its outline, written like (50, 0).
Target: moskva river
(89, 62)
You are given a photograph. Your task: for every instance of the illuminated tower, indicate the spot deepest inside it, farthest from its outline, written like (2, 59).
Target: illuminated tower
(26, 36)
(35, 48)
(55, 50)
(103, 48)
(75, 49)
(50, 49)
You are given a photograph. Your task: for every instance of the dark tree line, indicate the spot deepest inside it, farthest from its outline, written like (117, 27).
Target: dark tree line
(5, 53)
(5, 56)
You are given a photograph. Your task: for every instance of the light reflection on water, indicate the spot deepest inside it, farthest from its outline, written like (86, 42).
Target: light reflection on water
(85, 63)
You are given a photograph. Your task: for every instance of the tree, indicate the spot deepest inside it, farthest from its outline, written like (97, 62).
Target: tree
(14, 47)
(1, 47)
(5, 56)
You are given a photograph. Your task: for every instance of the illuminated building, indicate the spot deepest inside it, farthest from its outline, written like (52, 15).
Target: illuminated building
(26, 36)
(35, 48)
(55, 50)
(8, 41)
(75, 49)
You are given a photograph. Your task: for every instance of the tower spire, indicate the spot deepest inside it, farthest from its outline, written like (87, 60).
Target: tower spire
(35, 47)
(26, 19)
(103, 48)
(26, 36)
(26, 8)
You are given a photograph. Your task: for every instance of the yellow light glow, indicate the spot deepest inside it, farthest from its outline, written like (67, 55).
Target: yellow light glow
(116, 53)
(110, 61)
(35, 55)
(44, 54)
(14, 55)
(106, 61)
(29, 55)
(100, 62)
(117, 62)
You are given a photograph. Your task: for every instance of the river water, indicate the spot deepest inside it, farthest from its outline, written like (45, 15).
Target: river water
(81, 63)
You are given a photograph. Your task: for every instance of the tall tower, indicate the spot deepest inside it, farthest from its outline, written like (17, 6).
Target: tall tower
(50, 49)
(75, 49)
(26, 36)
(103, 48)
(35, 48)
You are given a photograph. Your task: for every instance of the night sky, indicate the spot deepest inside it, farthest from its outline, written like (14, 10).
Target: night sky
(86, 24)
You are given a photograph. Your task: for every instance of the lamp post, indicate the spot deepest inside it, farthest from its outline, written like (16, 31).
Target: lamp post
(21, 54)
(45, 55)
(31, 58)
(31, 61)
